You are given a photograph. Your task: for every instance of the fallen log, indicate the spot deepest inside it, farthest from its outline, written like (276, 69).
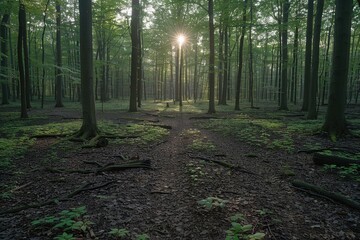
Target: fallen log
(49, 135)
(82, 188)
(322, 159)
(334, 196)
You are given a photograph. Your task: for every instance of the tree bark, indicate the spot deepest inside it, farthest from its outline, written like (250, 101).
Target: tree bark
(240, 64)
(312, 111)
(211, 58)
(285, 58)
(4, 30)
(307, 73)
(335, 124)
(59, 79)
(89, 125)
(134, 54)
(21, 60)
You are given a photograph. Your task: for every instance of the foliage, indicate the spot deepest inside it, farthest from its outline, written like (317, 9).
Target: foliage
(213, 203)
(202, 145)
(122, 233)
(350, 172)
(119, 232)
(72, 220)
(242, 231)
(196, 172)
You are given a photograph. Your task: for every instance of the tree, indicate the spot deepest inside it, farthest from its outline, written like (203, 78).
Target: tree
(335, 123)
(284, 46)
(240, 65)
(58, 88)
(134, 53)
(22, 29)
(307, 74)
(4, 30)
(89, 127)
(312, 112)
(211, 58)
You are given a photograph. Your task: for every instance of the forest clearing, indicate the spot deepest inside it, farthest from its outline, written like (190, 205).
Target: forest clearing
(185, 191)
(179, 119)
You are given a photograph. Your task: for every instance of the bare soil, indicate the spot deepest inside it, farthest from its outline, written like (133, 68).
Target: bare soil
(163, 201)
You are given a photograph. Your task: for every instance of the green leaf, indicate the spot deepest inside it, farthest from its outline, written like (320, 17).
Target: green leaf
(256, 236)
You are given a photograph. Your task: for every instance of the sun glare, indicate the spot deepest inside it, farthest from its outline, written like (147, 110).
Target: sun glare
(181, 39)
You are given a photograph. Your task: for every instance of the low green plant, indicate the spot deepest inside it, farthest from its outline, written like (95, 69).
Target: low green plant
(66, 221)
(119, 232)
(213, 202)
(143, 236)
(349, 172)
(196, 172)
(240, 231)
(122, 233)
(202, 145)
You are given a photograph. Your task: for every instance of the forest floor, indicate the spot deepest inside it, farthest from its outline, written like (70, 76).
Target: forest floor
(183, 195)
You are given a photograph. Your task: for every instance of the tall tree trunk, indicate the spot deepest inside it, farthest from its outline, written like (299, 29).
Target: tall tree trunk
(59, 79)
(89, 126)
(284, 45)
(21, 60)
(26, 60)
(140, 67)
(220, 62)
(4, 58)
(240, 64)
(335, 124)
(326, 66)
(312, 111)
(195, 71)
(134, 53)
(251, 70)
(307, 73)
(211, 58)
(226, 62)
(43, 55)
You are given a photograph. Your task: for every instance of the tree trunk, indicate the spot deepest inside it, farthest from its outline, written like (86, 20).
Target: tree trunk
(335, 124)
(43, 55)
(59, 79)
(21, 60)
(307, 73)
(134, 54)
(89, 126)
(4, 58)
(240, 64)
(226, 63)
(284, 46)
(312, 111)
(211, 58)
(251, 71)
(26, 60)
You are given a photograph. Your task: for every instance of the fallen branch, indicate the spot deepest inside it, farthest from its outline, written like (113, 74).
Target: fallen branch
(161, 126)
(82, 188)
(334, 196)
(321, 159)
(106, 168)
(20, 187)
(224, 164)
(204, 117)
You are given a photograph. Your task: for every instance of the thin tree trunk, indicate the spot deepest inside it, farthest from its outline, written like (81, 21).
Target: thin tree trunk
(59, 79)
(240, 64)
(212, 58)
(307, 73)
(312, 111)
(4, 30)
(284, 38)
(21, 60)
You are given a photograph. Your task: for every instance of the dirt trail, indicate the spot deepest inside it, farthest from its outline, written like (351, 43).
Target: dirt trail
(163, 202)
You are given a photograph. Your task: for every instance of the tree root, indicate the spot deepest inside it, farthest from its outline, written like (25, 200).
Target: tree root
(324, 193)
(82, 188)
(224, 164)
(104, 168)
(49, 136)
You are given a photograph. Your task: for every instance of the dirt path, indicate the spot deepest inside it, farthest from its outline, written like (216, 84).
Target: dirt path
(163, 202)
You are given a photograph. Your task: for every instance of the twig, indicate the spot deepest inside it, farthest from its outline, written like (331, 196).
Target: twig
(20, 187)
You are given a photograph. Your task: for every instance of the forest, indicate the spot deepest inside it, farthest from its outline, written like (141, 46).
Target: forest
(180, 119)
